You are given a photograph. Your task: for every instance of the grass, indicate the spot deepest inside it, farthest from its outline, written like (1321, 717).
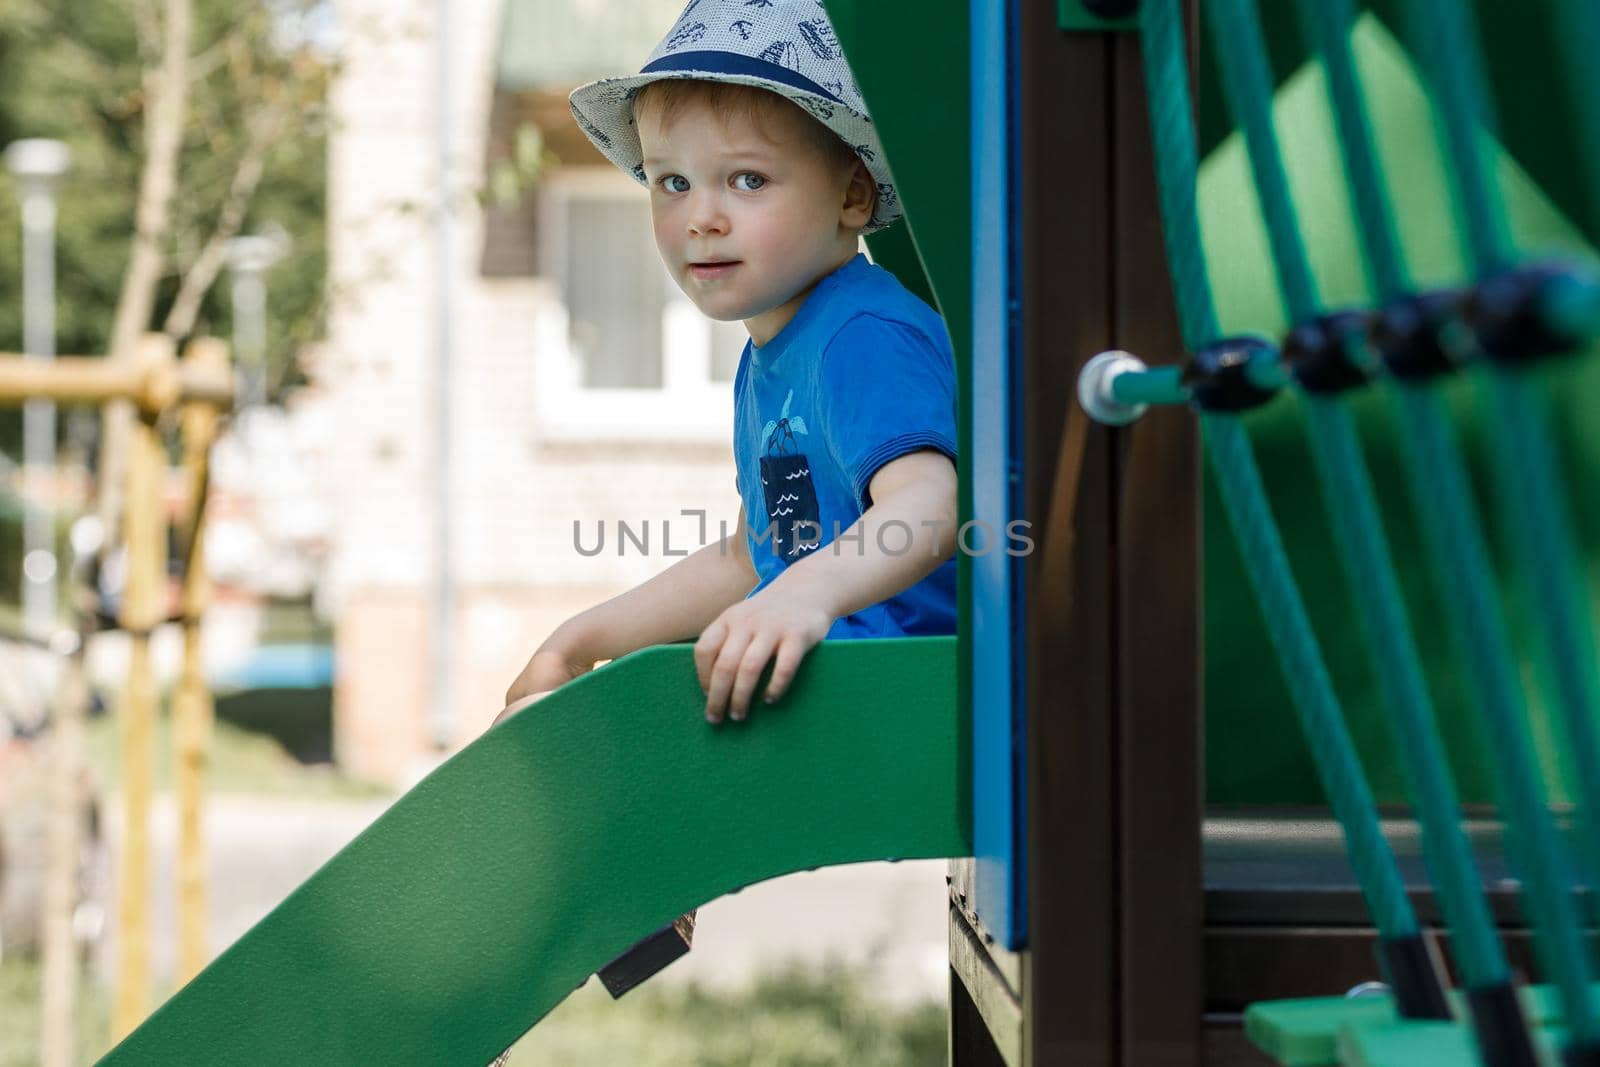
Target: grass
(242, 761)
(19, 1015)
(798, 1017)
(795, 1017)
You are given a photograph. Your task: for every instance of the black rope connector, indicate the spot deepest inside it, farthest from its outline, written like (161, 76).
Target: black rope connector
(1587, 1055)
(1227, 374)
(1412, 335)
(1500, 1026)
(1531, 311)
(1328, 354)
(1111, 9)
(1412, 966)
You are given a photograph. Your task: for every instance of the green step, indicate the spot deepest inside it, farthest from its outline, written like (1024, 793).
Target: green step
(1409, 1044)
(1321, 1031)
(493, 889)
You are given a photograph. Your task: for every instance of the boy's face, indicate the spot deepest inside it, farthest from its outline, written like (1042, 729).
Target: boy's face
(763, 202)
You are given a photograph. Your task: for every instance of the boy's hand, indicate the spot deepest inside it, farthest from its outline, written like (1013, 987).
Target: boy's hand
(511, 709)
(550, 668)
(733, 650)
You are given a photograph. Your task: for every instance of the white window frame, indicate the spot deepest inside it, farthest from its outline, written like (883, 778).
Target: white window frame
(688, 406)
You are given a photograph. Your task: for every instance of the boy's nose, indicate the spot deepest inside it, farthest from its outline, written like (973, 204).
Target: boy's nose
(706, 216)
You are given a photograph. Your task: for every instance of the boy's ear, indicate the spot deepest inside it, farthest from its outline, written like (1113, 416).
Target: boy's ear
(860, 198)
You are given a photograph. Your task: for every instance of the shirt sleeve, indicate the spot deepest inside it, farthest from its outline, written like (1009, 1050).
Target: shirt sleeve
(886, 390)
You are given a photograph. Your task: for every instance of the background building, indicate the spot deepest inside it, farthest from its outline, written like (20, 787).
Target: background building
(541, 334)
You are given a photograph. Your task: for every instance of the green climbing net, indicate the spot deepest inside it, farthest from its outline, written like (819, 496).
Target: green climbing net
(1498, 326)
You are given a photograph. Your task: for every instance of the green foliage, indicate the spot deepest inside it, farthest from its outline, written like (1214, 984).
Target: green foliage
(76, 70)
(795, 1017)
(239, 760)
(19, 1015)
(512, 179)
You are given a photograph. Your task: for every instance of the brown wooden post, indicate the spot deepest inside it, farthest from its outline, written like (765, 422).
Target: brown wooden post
(141, 610)
(1111, 975)
(1161, 751)
(154, 383)
(193, 710)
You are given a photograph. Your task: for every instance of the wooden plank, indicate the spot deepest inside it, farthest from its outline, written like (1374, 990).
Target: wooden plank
(986, 1024)
(963, 899)
(1157, 561)
(1071, 968)
(1112, 970)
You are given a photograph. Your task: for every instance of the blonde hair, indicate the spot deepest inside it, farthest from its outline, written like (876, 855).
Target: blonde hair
(671, 97)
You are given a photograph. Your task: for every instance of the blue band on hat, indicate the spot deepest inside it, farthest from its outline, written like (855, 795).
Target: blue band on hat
(709, 62)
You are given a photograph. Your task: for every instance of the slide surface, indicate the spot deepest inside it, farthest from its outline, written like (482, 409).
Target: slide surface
(540, 852)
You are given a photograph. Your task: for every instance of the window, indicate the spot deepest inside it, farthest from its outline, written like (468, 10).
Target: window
(624, 352)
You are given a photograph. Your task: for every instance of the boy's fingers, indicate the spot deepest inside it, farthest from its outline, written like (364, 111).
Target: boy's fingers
(722, 674)
(750, 666)
(512, 709)
(705, 652)
(790, 653)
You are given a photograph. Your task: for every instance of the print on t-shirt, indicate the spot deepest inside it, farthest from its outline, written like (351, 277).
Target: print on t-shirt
(786, 483)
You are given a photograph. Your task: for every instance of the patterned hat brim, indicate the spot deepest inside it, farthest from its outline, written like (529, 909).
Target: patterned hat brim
(604, 111)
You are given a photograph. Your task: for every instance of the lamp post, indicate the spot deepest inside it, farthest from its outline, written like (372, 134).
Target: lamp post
(38, 165)
(249, 259)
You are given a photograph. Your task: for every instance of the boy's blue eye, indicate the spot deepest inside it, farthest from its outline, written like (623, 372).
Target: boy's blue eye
(666, 183)
(758, 179)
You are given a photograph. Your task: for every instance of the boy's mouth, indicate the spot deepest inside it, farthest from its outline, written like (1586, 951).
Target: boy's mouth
(712, 268)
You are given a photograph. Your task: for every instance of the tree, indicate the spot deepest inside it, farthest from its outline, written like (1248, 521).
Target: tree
(250, 151)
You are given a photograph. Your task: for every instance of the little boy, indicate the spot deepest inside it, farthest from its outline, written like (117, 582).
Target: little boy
(764, 170)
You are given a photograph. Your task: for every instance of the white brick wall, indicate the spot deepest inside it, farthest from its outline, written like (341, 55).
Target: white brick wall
(514, 492)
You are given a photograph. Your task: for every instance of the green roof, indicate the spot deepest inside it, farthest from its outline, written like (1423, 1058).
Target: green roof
(554, 44)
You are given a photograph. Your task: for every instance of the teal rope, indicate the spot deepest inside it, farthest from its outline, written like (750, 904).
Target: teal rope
(1441, 32)
(1527, 491)
(1247, 85)
(1369, 567)
(1327, 24)
(1454, 534)
(1358, 532)
(1536, 516)
(1456, 549)
(1289, 628)
(1527, 485)
(1158, 385)
(1580, 39)
(1172, 129)
(1244, 499)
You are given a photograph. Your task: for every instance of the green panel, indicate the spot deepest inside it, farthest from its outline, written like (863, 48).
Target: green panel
(1254, 750)
(496, 886)
(1535, 113)
(913, 62)
(1072, 15)
(922, 122)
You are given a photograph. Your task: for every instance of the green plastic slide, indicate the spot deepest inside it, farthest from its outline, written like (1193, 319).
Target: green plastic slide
(544, 849)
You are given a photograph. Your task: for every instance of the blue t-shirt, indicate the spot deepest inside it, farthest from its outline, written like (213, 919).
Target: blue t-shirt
(861, 375)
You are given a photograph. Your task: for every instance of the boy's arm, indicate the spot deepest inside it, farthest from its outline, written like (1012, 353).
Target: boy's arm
(675, 605)
(796, 610)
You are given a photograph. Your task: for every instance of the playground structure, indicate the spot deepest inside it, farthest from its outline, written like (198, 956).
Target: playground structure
(1108, 915)
(194, 391)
